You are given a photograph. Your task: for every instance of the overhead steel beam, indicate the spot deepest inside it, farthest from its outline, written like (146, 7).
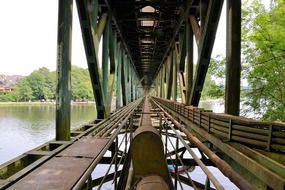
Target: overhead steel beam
(205, 49)
(182, 18)
(63, 91)
(89, 40)
(118, 26)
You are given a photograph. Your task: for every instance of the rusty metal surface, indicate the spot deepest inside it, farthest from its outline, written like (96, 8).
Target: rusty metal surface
(85, 147)
(59, 173)
(152, 182)
(146, 119)
(64, 170)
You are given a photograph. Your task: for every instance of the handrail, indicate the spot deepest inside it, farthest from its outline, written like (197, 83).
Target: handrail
(259, 134)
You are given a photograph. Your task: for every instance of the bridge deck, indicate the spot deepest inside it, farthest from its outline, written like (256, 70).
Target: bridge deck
(64, 170)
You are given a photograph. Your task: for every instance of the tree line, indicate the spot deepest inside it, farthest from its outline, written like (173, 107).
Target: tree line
(40, 85)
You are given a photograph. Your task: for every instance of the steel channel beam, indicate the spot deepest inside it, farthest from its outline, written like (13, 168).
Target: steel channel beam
(63, 91)
(170, 75)
(91, 49)
(205, 49)
(119, 80)
(105, 62)
(174, 83)
(189, 63)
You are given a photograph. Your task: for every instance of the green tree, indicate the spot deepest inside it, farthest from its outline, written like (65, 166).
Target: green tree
(23, 91)
(214, 83)
(264, 57)
(81, 84)
(42, 83)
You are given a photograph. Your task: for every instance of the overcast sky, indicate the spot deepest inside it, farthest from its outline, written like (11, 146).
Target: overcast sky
(28, 36)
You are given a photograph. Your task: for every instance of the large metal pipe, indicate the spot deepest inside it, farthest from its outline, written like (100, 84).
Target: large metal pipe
(223, 166)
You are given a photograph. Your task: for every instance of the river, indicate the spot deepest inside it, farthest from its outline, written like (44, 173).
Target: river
(24, 127)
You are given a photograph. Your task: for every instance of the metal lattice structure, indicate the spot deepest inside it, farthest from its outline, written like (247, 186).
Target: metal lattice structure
(147, 52)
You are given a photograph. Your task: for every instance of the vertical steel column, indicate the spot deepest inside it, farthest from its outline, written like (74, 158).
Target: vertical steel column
(131, 85)
(182, 54)
(189, 66)
(203, 13)
(170, 75)
(63, 93)
(123, 80)
(164, 80)
(111, 72)
(174, 83)
(161, 82)
(105, 58)
(232, 94)
(119, 78)
(127, 74)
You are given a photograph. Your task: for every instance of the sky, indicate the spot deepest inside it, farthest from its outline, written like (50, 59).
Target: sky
(28, 36)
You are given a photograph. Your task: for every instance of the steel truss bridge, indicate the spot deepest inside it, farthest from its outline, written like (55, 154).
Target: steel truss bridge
(151, 141)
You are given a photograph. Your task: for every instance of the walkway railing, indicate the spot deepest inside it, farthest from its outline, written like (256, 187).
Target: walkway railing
(264, 135)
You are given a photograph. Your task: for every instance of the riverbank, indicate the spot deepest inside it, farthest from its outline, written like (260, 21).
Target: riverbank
(38, 103)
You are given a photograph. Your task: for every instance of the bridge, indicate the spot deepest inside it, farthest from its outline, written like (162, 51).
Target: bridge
(151, 140)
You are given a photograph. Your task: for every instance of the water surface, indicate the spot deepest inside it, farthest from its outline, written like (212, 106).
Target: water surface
(24, 127)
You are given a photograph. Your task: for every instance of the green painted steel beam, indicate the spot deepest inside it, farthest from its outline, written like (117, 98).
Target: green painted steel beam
(182, 50)
(233, 56)
(91, 51)
(105, 59)
(174, 87)
(170, 75)
(123, 78)
(189, 63)
(63, 91)
(119, 78)
(205, 49)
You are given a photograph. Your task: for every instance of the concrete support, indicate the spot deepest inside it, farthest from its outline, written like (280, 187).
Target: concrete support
(63, 93)
(233, 68)
(189, 63)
